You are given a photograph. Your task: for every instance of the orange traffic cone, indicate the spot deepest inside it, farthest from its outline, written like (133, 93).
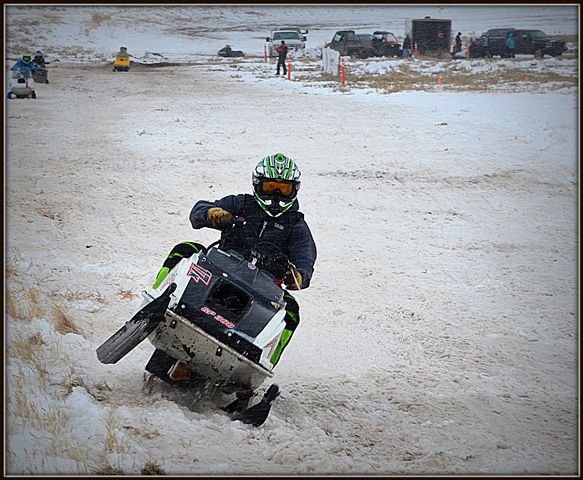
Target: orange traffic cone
(439, 81)
(526, 78)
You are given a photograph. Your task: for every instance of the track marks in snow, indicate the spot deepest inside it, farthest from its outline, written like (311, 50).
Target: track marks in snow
(503, 180)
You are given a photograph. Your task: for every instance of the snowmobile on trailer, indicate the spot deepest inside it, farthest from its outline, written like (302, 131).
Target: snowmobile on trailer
(217, 317)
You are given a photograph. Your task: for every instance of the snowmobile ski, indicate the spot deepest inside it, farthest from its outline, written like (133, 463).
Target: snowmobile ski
(135, 330)
(257, 414)
(240, 403)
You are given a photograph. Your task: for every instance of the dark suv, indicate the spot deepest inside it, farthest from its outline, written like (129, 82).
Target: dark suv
(347, 42)
(534, 42)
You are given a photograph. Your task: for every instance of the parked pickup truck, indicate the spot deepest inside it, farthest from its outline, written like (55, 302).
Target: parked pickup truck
(348, 43)
(294, 37)
(379, 44)
(534, 42)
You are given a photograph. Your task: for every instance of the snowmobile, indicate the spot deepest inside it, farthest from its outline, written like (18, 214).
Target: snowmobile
(216, 319)
(21, 84)
(121, 64)
(227, 51)
(41, 75)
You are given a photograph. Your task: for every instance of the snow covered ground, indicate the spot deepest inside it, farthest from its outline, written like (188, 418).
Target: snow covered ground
(439, 335)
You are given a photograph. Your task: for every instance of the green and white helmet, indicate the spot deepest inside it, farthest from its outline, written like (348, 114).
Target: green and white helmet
(276, 181)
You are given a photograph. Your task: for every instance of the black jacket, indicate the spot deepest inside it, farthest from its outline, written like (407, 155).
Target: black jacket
(289, 231)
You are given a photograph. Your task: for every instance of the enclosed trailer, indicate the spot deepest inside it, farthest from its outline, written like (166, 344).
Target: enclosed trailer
(429, 34)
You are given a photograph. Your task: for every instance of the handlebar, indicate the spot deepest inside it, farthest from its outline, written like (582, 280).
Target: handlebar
(238, 222)
(264, 254)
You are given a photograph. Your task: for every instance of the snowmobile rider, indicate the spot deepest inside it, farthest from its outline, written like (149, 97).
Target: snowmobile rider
(25, 63)
(123, 53)
(39, 59)
(272, 213)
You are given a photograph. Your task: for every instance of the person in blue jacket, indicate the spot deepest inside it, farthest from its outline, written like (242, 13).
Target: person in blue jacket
(511, 45)
(25, 63)
(272, 213)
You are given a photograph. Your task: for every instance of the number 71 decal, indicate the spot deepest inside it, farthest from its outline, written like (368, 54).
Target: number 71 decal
(199, 274)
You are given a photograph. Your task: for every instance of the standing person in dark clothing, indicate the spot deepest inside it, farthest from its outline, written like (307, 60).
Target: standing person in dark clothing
(484, 42)
(441, 44)
(458, 43)
(281, 56)
(271, 215)
(407, 46)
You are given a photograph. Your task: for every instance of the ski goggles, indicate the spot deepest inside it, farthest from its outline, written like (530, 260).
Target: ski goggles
(269, 187)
